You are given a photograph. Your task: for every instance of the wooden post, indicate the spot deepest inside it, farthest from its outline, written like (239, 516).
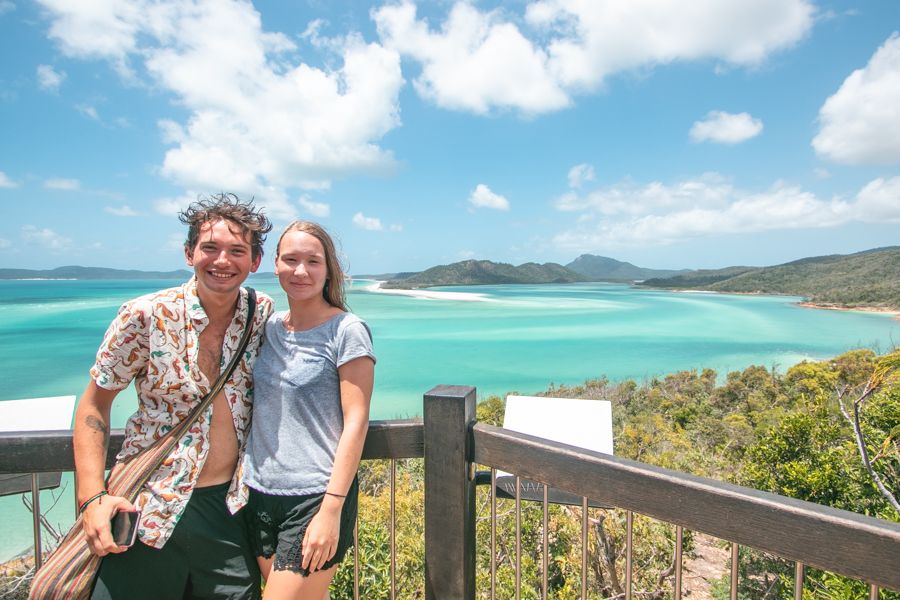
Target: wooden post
(449, 413)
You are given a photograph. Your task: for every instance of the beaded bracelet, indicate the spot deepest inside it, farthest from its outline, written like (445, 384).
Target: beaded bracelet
(91, 499)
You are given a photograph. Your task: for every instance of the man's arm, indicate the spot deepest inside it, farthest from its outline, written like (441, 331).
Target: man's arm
(90, 440)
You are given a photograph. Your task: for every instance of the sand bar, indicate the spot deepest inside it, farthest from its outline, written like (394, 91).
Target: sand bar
(430, 294)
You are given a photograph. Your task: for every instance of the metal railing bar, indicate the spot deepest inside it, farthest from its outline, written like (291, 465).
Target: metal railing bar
(679, 552)
(584, 547)
(792, 529)
(799, 574)
(493, 533)
(356, 558)
(545, 563)
(735, 549)
(518, 538)
(393, 528)
(629, 553)
(36, 520)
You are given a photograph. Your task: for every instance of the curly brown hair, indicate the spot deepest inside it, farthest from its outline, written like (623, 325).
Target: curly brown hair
(228, 206)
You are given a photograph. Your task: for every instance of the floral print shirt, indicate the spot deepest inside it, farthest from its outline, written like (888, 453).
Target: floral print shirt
(154, 341)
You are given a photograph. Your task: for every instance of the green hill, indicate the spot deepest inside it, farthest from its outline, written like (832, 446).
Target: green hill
(603, 268)
(485, 272)
(76, 272)
(865, 279)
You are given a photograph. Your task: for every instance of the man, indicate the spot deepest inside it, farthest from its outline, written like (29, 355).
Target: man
(173, 343)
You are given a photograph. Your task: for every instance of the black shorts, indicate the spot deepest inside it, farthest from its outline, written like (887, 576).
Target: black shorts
(278, 524)
(208, 556)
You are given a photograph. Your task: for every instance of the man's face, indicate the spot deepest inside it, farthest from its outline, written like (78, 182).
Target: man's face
(222, 258)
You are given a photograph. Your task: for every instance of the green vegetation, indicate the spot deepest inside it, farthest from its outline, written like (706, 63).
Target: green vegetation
(602, 268)
(790, 433)
(485, 272)
(864, 279)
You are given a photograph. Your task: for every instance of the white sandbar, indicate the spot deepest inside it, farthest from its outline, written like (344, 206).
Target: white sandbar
(429, 294)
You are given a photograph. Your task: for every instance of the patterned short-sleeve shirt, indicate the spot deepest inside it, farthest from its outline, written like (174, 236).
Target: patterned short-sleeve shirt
(154, 341)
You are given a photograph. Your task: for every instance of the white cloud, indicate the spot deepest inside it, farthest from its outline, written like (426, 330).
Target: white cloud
(580, 174)
(879, 201)
(88, 111)
(483, 60)
(7, 6)
(483, 197)
(367, 223)
(69, 185)
(45, 237)
(6, 182)
(629, 214)
(4, 243)
(475, 62)
(122, 211)
(859, 123)
(281, 124)
(316, 209)
(49, 79)
(726, 128)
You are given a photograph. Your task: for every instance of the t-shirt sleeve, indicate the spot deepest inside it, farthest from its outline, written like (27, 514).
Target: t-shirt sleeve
(124, 351)
(354, 341)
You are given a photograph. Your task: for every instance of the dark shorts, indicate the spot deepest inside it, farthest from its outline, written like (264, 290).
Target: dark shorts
(279, 524)
(208, 556)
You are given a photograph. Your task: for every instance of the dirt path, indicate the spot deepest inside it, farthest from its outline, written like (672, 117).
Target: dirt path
(709, 565)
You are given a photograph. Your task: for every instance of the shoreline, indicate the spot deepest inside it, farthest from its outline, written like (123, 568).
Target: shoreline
(803, 303)
(429, 295)
(845, 308)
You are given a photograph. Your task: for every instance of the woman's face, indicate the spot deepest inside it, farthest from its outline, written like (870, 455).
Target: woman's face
(300, 266)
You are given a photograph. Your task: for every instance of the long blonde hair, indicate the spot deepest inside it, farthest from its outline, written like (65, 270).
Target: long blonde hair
(333, 292)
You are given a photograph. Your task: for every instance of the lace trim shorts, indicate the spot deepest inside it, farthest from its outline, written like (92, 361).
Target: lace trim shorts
(278, 524)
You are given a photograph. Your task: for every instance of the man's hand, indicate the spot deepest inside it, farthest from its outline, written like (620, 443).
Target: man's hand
(96, 518)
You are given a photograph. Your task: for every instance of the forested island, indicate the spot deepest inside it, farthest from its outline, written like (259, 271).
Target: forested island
(869, 279)
(864, 279)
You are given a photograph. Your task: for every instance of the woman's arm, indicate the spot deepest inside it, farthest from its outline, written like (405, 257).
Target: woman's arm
(320, 541)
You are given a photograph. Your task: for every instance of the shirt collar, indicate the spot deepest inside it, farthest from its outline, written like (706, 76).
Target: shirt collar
(195, 310)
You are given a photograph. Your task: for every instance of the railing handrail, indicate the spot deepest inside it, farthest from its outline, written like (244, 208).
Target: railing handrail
(836, 540)
(49, 451)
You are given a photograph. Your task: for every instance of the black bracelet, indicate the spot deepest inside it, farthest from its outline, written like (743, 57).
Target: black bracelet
(327, 493)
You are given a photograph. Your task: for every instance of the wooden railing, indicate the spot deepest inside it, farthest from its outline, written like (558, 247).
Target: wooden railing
(452, 443)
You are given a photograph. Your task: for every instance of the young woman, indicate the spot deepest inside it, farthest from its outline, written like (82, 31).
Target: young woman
(312, 386)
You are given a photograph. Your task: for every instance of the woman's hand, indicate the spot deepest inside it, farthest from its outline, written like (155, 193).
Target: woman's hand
(321, 539)
(96, 522)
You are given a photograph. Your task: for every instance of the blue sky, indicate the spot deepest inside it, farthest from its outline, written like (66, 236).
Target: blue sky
(667, 134)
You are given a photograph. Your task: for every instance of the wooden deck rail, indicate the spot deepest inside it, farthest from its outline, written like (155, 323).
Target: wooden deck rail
(452, 443)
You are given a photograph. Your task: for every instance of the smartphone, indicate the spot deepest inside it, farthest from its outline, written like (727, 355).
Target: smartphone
(124, 527)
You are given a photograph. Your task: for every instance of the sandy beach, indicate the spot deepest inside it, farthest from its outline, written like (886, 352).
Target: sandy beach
(430, 295)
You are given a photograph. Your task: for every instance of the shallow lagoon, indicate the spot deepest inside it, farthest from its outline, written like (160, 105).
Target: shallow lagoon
(510, 338)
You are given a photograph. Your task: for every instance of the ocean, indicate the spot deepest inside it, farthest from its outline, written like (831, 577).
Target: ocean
(505, 338)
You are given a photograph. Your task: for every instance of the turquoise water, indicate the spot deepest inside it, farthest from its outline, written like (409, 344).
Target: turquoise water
(517, 338)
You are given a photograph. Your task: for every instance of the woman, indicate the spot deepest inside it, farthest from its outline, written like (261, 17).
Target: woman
(312, 387)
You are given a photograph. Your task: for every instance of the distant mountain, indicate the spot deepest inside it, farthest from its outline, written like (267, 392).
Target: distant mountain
(387, 276)
(75, 272)
(602, 268)
(864, 279)
(485, 272)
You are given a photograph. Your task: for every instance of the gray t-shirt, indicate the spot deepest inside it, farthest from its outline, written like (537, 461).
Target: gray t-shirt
(297, 415)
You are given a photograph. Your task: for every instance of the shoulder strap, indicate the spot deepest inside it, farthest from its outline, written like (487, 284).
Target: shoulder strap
(174, 434)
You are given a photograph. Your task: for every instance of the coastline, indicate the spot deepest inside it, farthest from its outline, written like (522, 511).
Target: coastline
(428, 294)
(803, 303)
(843, 307)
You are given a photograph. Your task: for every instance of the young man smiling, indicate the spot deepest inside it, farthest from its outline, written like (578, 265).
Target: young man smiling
(172, 344)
